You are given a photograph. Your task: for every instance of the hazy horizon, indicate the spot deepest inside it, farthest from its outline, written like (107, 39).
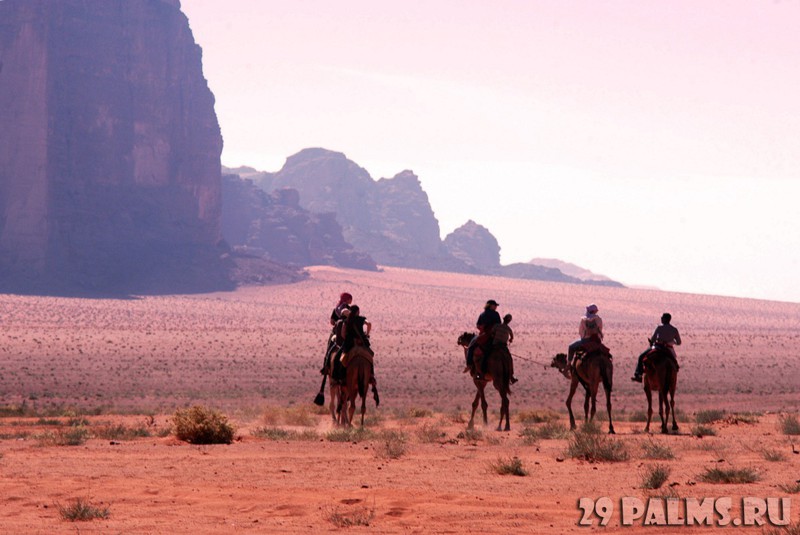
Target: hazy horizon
(652, 143)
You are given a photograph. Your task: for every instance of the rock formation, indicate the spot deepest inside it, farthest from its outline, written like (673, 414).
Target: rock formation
(474, 245)
(274, 226)
(109, 158)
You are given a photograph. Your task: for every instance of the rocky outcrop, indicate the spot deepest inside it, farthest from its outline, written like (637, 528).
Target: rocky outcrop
(578, 272)
(274, 226)
(390, 219)
(474, 245)
(109, 158)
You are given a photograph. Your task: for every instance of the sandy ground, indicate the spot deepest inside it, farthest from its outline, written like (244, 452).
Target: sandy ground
(250, 351)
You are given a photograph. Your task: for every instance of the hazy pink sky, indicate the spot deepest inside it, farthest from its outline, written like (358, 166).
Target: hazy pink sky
(655, 142)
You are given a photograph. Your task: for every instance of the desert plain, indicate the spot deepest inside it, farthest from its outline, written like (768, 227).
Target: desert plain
(109, 373)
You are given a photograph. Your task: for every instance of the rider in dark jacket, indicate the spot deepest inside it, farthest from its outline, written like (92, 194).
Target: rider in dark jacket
(665, 336)
(485, 324)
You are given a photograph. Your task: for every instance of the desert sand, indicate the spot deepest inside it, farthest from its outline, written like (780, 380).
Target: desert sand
(108, 365)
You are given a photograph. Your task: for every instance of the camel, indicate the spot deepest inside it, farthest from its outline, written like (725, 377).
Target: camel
(593, 369)
(500, 372)
(335, 385)
(660, 375)
(358, 378)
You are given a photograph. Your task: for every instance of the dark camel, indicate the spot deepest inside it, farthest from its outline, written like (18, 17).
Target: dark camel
(359, 376)
(500, 372)
(593, 369)
(660, 375)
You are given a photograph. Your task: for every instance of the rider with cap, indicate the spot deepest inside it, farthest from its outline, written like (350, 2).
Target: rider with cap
(485, 324)
(337, 315)
(589, 330)
(665, 336)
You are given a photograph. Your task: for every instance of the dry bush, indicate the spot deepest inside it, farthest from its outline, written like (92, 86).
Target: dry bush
(537, 416)
(548, 431)
(349, 434)
(792, 488)
(656, 451)
(201, 425)
(709, 416)
(595, 447)
(121, 432)
(416, 412)
(509, 467)
(74, 436)
(302, 416)
(392, 444)
(470, 435)
(655, 476)
(729, 475)
(638, 416)
(791, 529)
(743, 418)
(430, 432)
(789, 425)
(82, 510)
(772, 455)
(358, 516)
(703, 431)
(276, 433)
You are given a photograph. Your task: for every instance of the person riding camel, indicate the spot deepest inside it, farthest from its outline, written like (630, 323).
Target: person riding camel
(665, 336)
(355, 332)
(486, 323)
(590, 331)
(345, 300)
(503, 335)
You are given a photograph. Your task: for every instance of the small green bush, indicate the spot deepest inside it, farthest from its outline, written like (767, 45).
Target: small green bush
(729, 475)
(200, 425)
(82, 510)
(509, 467)
(655, 476)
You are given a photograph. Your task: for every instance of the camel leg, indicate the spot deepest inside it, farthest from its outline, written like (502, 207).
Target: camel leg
(363, 408)
(593, 394)
(666, 412)
(608, 408)
(672, 406)
(471, 423)
(504, 406)
(661, 403)
(586, 406)
(484, 405)
(649, 395)
(334, 402)
(351, 409)
(572, 387)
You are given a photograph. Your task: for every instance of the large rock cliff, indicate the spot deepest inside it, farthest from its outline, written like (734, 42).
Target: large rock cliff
(109, 160)
(475, 245)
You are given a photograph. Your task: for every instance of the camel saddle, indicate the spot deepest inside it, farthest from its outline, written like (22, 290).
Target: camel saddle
(663, 350)
(358, 351)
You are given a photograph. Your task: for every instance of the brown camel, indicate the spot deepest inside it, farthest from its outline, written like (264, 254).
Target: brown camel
(660, 375)
(500, 371)
(359, 376)
(593, 369)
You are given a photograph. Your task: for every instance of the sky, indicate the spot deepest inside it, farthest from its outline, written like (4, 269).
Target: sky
(657, 143)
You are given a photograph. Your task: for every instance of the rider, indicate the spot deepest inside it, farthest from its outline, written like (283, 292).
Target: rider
(345, 300)
(355, 332)
(486, 323)
(590, 330)
(503, 335)
(665, 336)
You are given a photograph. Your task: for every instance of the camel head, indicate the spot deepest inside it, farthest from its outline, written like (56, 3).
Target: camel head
(559, 361)
(465, 339)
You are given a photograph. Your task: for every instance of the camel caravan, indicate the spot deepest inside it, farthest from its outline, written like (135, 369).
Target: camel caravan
(349, 367)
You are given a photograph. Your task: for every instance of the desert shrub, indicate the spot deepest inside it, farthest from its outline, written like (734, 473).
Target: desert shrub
(655, 476)
(789, 425)
(637, 416)
(82, 510)
(121, 432)
(392, 444)
(703, 431)
(75, 436)
(302, 416)
(537, 416)
(657, 451)
(791, 529)
(430, 432)
(416, 412)
(509, 467)
(470, 435)
(595, 447)
(349, 434)
(548, 431)
(792, 488)
(591, 428)
(48, 421)
(457, 417)
(729, 475)
(772, 455)
(276, 433)
(359, 516)
(743, 418)
(77, 421)
(200, 425)
(709, 416)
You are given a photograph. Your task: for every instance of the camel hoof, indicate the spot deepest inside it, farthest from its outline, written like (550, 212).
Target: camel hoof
(499, 428)
(675, 428)
(612, 432)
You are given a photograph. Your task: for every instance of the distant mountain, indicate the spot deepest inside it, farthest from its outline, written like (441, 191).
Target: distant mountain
(573, 271)
(474, 245)
(390, 219)
(274, 226)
